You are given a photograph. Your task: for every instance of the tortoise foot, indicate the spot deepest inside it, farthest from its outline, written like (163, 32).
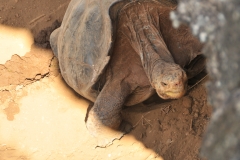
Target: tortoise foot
(106, 139)
(125, 127)
(105, 135)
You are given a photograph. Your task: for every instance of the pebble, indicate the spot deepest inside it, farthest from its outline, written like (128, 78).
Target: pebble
(196, 115)
(185, 111)
(187, 102)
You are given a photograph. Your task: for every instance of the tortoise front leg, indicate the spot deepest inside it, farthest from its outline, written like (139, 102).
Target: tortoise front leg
(196, 66)
(105, 114)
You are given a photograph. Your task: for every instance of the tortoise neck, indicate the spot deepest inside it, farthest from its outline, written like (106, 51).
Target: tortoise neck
(154, 63)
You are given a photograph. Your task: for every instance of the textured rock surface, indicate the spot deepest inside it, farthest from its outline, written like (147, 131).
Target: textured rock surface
(217, 23)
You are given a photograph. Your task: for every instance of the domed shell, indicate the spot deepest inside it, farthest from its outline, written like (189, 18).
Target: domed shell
(82, 44)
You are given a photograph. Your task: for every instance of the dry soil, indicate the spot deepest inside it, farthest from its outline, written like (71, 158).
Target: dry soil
(42, 118)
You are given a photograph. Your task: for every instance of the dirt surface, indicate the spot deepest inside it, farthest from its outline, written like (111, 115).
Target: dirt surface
(42, 118)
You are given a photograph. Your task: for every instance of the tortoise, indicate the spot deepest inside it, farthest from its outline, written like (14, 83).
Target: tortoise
(119, 53)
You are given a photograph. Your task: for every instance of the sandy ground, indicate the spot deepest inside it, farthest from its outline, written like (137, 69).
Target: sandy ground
(42, 118)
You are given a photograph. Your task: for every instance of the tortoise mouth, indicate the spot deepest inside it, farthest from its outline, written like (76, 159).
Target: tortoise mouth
(172, 94)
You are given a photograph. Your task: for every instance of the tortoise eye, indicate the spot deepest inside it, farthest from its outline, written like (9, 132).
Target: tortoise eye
(163, 84)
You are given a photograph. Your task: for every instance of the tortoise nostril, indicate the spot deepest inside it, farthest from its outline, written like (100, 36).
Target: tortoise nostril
(178, 84)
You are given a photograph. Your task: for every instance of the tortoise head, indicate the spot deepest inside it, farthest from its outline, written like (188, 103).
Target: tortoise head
(169, 80)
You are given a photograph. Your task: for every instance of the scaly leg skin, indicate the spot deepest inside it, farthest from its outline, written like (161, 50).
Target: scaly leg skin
(104, 118)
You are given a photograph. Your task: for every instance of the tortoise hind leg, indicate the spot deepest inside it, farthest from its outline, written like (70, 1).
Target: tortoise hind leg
(105, 114)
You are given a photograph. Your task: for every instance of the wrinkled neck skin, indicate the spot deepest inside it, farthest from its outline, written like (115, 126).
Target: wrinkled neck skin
(153, 61)
(168, 78)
